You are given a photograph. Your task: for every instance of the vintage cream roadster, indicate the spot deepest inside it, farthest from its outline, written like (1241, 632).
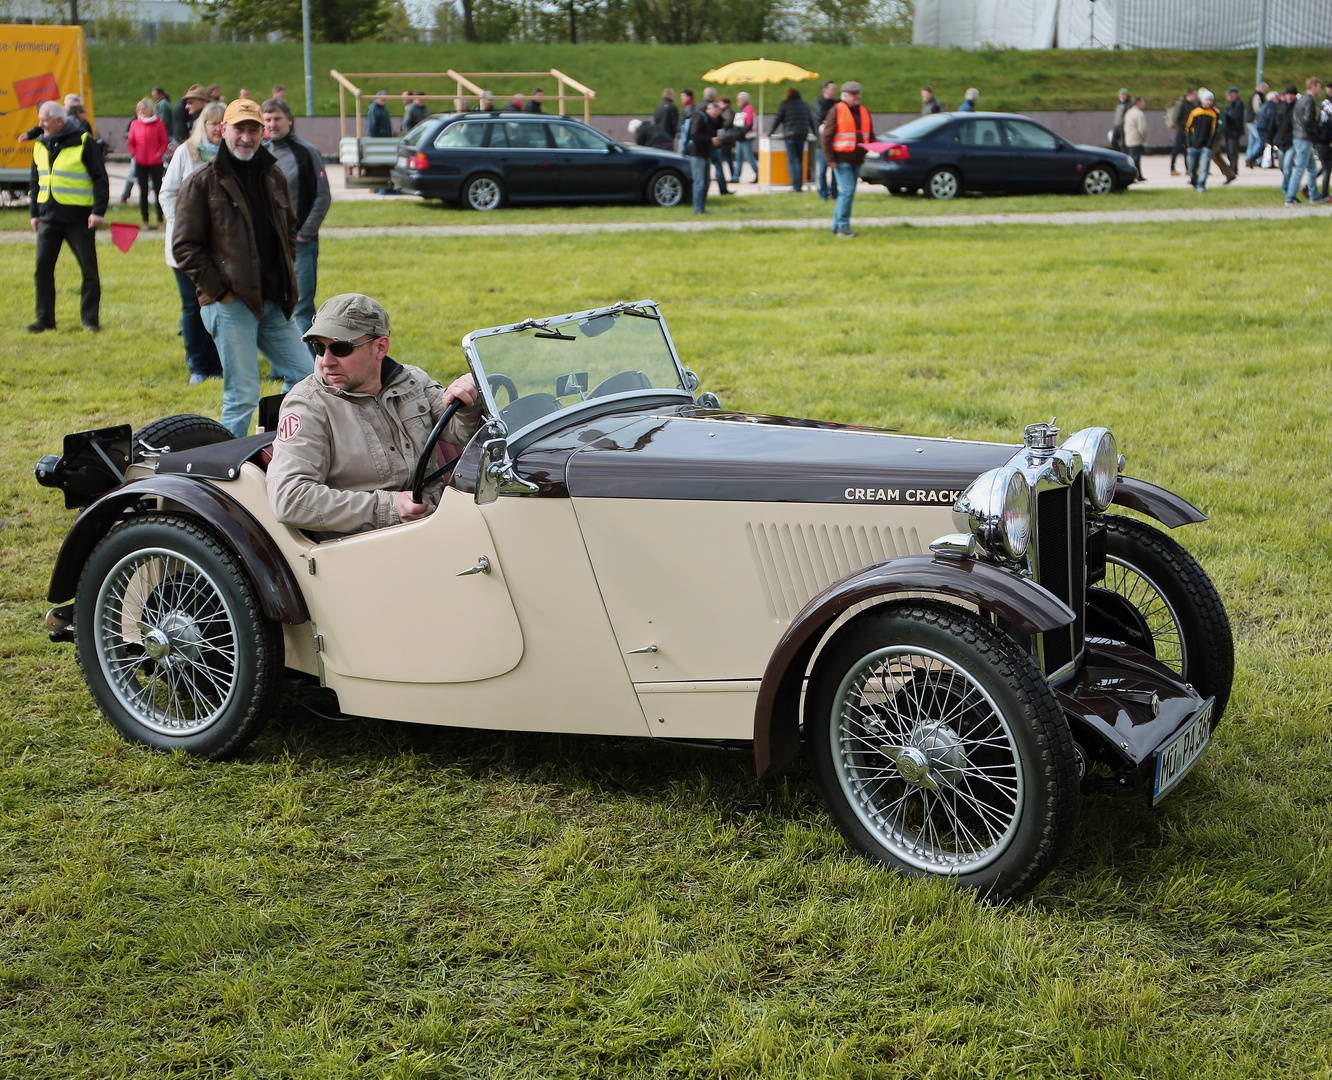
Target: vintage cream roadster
(960, 636)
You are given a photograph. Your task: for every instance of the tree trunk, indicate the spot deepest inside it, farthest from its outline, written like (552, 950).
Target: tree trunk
(573, 24)
(469, 26)
(74, 12)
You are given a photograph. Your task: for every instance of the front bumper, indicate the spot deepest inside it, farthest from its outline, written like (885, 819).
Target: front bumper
(1124, 707)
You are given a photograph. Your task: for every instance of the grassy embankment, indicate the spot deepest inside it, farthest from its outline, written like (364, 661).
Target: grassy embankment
(370, 899)
(629, 78)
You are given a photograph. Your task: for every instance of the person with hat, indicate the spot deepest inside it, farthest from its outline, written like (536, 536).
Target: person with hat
(235, 237)
(378, 124)
(349, 435)
(1235, 129)
(846, 129)
(187, 109)
(68, 192)
(1122, 106)
(1200, 130)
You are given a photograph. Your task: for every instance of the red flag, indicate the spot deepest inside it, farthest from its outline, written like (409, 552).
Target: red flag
(123, 236)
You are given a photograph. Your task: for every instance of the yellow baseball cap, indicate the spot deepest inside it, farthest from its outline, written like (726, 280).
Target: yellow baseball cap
(243, 109)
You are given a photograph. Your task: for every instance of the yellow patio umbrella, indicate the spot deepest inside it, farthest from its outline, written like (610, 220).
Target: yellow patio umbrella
(760, 71)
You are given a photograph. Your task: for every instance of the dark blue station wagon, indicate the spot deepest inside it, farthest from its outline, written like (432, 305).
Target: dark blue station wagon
(484, 160)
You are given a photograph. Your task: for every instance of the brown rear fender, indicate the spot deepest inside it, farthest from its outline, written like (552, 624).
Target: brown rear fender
(273, 580)
(1028, 606)
(1169, 509)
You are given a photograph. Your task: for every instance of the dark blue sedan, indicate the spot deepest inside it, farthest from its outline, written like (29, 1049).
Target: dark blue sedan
(948, 153)
(484, 160)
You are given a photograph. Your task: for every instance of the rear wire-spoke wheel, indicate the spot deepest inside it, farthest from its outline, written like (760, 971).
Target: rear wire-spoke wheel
(172, 640)
(483, 193)
(940, 750)
(666, 189)
(1156, 597)
(1098, 181)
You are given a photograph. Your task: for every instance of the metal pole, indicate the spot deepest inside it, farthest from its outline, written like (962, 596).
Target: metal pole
(1262, 40)
(309, 63)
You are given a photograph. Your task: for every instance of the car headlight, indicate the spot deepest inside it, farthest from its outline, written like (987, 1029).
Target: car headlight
(996, 510)
(1100, 460)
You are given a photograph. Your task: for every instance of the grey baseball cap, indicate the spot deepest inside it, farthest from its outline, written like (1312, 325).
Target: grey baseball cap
(850, 87)
(348, 316)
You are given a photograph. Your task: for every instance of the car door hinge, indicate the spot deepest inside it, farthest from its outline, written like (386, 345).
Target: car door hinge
(310, 564)
(318, 643)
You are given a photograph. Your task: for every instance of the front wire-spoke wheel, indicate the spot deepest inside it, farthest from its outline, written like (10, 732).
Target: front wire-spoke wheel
(940, 750)
(1156, 597)
(172, 641)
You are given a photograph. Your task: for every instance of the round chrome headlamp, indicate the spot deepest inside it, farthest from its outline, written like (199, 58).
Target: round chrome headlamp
(996, 510)
(1100, 461)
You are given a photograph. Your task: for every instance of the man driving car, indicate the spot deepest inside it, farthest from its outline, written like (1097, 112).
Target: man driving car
(349, 436)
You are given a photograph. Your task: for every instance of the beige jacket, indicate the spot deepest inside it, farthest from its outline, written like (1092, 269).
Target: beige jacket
(1135, 127)
(340, 459)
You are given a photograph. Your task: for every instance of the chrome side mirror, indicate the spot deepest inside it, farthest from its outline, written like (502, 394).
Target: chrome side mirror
(495, 475)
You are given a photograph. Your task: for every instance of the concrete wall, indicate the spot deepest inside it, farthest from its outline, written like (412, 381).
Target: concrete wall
(1080, 127)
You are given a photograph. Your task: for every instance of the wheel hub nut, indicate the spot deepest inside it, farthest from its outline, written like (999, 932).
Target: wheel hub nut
(156, 644)
(914, 765)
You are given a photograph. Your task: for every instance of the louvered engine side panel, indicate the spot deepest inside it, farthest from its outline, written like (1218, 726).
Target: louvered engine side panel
(797, 562)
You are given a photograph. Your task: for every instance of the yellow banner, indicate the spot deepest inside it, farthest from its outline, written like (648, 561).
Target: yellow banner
(37, 63)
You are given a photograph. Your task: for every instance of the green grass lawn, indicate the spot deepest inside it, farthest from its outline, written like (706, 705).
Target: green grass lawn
(629, 78)
(370, 899)
(779, 205)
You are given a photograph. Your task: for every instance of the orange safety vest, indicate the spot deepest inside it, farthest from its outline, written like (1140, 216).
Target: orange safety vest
(849, 133)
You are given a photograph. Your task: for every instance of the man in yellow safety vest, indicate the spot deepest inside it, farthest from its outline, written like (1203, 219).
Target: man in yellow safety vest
(67, 192)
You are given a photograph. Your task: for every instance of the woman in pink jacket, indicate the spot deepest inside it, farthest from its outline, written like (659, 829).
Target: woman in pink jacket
(147, 142)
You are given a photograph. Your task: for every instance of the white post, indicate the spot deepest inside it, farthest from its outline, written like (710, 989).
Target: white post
(309, 64)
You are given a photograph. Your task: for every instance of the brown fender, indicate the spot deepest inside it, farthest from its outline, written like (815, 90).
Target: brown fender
(1169, 509)
(1028, 606)
(273, 580)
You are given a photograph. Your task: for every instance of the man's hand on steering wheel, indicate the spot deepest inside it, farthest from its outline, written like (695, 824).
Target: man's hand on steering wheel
(463, 389)
(411, 510)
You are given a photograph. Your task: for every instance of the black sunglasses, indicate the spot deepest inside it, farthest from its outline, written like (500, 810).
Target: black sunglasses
(339, 348)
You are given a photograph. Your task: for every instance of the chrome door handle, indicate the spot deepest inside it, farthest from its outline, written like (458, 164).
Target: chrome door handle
(482, 567)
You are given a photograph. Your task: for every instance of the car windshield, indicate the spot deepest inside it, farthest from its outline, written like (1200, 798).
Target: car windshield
(921, 126)
(538, 367)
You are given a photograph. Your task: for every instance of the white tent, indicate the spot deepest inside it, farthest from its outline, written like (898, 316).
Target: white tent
(1127, 24)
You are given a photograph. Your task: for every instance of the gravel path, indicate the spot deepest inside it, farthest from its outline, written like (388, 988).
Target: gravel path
(1071, 217)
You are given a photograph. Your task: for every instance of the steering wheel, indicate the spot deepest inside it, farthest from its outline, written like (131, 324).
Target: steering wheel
(420, 481)
(503, 382)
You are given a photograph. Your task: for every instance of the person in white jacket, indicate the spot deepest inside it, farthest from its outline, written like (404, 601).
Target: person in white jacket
(200, 352)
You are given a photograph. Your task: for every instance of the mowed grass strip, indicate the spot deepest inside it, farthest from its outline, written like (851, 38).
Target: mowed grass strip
(777, 205)
(362, 899)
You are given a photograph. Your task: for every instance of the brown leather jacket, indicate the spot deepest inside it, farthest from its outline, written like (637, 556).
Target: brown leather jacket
(213, 237)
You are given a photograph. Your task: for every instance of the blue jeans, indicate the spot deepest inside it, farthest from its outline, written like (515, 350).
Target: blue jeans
(827, 185)
(239, 337)
(846, 176)
(717, 160)
(307, 282)
(698, 167)
(1287, 160)
(1303, 159)
(744, 152)
(200, 352)
(1254, 150)
(1198, 160)
(795, 163)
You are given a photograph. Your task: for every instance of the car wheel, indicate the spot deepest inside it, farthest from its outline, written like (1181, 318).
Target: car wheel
(483, 193)
(1157, 598)
(943, 184)
(1098, 181)
(940, 750)
(666, 188)
(184, 431)
(172, 640)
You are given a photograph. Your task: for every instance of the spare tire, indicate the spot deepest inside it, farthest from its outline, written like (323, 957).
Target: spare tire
(184, 431)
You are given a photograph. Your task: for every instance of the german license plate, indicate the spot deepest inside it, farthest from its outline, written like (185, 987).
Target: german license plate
(1177, 757)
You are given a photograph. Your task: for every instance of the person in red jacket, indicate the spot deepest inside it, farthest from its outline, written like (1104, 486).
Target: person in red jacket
(147, 142)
